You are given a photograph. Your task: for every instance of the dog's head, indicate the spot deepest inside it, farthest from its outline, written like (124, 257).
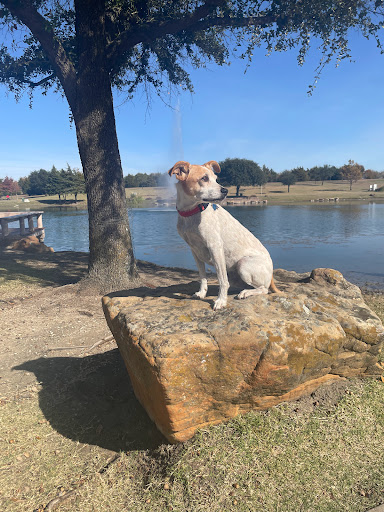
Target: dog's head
(199, 181)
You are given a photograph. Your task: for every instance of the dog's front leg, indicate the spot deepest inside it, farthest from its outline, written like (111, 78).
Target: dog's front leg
(201, 294)
(222, 276)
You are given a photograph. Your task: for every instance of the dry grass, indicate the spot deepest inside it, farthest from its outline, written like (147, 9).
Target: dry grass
(291, 458)
(323, 453)
(37, 463)
(275, 193)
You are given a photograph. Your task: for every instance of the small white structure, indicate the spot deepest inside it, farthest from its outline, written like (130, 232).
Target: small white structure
(373, 187)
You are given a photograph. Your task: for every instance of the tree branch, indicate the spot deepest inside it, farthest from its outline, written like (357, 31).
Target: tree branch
(43, 32)
(194, 22)
(40, 82)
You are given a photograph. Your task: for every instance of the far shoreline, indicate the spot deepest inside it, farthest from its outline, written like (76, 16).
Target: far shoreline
(306, 192)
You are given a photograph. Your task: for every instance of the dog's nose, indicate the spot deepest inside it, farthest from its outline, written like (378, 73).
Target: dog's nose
(224, 190)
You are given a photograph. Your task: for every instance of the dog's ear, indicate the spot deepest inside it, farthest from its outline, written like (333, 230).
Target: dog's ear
(213, 165)
(180, 170)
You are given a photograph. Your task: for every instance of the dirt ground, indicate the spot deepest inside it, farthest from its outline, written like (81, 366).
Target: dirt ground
(66, 399)
(49, 325)
(53, 331)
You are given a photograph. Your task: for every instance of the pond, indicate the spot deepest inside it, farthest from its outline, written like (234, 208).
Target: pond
(348, 237)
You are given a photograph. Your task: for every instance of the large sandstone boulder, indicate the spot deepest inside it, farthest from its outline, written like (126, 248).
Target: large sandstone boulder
(191, 366)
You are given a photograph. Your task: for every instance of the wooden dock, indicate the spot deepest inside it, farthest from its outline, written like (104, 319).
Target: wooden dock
(7, 218)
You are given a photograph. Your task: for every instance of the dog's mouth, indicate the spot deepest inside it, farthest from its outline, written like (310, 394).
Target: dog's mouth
(217, 199)
(213, 199)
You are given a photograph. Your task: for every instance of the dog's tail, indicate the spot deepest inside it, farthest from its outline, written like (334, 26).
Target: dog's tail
(273, 287)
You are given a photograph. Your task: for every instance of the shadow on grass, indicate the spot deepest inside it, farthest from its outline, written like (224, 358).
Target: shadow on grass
(91, 400)
(47, 269)
(58, 202)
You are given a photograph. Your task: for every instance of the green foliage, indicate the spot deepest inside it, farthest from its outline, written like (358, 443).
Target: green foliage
(153, 43)
(324, 172)
(155, 179)
(61, 182)
(352, 172)
(300, 173)
(287, 178)
(135, 201)
(241, 172)
(270, 174)
(36, 183)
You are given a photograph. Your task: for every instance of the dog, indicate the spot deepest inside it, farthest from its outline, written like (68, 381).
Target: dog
(217, 238)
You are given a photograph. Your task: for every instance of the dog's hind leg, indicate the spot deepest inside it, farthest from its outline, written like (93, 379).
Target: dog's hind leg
(255, 271)
(248, 292)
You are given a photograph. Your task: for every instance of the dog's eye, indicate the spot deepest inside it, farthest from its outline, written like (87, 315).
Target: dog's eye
(205, 178)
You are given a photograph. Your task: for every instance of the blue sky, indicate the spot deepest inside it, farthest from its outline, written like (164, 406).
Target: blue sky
(264, 115)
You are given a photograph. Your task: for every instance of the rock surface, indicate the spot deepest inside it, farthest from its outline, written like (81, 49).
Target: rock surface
(191, 366)
(31, 244)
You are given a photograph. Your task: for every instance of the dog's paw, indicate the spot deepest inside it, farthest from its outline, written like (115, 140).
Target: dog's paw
(241, 295)
(219, 304)
(200, 294)
(262, 290)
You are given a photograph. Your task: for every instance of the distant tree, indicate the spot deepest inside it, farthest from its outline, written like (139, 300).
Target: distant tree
(352, 172)
(287, 178)
(368, 174)
(161, 179)
(323, 173)
(24, 184)
(84, 48)
(155, 179)
(75, 182)
(300, 173)
(258, 177)
(9, 187)
(130, 181)
(337, 175)
(145, 180)
(38, 183)
(57, 183)
(270, 174)
(240, 172)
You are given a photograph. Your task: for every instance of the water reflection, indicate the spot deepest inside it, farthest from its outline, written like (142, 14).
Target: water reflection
(348, 237)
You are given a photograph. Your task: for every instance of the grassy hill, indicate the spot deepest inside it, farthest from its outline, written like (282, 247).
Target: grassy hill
(274, 193)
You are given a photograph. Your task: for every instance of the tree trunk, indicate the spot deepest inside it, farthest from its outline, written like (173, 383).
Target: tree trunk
(111, 260)
(237, 190)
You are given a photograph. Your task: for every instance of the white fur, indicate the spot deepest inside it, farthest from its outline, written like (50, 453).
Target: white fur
(216, 238)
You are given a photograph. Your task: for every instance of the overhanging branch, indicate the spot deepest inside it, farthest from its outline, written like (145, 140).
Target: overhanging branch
(200, 19)
(43, 32)
(40, 82)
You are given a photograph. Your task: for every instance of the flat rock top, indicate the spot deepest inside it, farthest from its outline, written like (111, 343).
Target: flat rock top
(159, 317)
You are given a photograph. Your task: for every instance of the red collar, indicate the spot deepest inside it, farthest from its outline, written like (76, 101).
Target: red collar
(199, 208)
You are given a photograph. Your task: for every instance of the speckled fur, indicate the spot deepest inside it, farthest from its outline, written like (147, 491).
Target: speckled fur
(217, 238)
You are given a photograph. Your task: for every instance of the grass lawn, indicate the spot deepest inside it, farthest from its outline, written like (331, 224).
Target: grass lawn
(323, 453)
(275, 193)
(291, 458)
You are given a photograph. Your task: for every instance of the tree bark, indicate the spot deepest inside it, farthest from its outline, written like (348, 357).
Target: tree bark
(111, 260)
